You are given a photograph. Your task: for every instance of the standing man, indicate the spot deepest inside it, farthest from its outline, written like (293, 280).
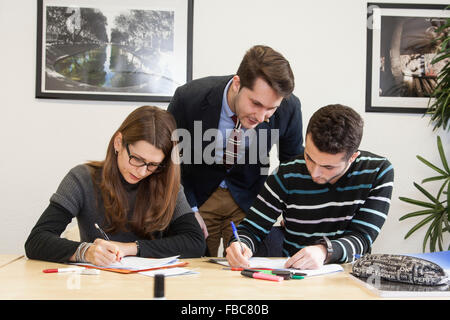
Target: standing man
(247, 113)
(333, 198)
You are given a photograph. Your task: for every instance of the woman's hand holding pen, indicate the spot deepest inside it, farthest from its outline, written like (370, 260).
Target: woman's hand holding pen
(238, 255)
(103, 253)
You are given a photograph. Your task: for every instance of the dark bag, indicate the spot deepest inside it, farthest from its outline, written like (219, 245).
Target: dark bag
(400, 268)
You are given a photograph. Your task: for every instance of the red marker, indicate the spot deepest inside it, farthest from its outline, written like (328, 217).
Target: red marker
(262, 276)
(234, 269)
(60, 270)
(246, 269)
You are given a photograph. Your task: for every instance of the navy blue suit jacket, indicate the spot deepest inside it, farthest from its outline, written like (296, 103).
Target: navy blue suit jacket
(201, 100)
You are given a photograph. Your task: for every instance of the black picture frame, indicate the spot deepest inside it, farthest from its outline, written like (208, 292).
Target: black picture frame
(398, 68)
(138, 65)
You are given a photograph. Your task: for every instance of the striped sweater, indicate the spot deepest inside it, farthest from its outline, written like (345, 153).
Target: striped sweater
(350, 212)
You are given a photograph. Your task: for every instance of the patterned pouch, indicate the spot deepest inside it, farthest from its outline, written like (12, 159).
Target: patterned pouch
(400, 268)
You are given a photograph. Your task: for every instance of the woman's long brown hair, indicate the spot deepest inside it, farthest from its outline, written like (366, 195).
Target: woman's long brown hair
(157, 194)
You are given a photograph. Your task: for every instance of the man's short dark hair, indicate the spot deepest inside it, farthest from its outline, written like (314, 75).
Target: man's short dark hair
(335, 129)
(265, 63)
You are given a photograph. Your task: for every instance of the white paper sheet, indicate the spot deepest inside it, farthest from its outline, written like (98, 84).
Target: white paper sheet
(169, 272)
(138, 263)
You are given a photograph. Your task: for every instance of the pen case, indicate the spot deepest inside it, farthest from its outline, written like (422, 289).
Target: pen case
(400, 268)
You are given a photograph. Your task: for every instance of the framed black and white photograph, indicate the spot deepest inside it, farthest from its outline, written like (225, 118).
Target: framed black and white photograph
(402, 40)
(113, 50)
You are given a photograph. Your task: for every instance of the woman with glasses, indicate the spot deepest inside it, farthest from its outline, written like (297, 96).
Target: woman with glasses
(130, 204)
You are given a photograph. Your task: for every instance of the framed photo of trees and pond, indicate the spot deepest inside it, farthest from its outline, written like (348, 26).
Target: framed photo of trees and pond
(118, 50)
(402, 41)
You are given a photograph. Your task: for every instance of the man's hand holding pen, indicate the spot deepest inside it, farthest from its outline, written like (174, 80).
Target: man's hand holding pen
(238, 255)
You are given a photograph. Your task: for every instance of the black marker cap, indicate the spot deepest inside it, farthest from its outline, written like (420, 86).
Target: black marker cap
(250, 270)
(247, 273)
(159, 286)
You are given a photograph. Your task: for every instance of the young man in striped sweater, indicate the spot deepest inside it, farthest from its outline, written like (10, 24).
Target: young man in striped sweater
(333, 199)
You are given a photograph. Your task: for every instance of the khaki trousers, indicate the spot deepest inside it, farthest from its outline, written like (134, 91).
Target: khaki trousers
(217, 213)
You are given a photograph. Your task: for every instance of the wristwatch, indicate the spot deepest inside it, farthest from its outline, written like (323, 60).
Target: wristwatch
(327, 243)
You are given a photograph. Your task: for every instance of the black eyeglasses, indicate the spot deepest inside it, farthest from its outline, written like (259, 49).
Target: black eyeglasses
(137, 162)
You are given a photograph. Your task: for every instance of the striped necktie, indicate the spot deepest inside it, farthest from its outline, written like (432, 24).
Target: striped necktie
(233, 143)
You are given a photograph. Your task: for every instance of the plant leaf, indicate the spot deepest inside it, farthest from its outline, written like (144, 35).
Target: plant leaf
(432, 166)
(418, 202)
(427, 194)
(440, 57)
(420, 224)
(441, 189)
(434, 179)
(448, 201)
(427, 236)
(417, 213)
(439, 231)
(442, 154)
(435, 233)
(433, 241)
(446, 222)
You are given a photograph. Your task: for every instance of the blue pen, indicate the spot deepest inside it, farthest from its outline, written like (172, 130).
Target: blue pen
(236, 235)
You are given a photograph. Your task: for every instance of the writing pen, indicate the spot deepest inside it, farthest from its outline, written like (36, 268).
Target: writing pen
(103, 233)
(237, 236)
(105, 236)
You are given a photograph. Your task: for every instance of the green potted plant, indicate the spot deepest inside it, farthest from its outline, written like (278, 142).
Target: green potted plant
(439, 103)
(436, 210)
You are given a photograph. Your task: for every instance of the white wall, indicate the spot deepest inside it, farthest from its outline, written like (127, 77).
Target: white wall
(325, 42)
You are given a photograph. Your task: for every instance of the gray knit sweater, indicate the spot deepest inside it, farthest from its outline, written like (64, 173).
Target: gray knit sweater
(76, 197)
